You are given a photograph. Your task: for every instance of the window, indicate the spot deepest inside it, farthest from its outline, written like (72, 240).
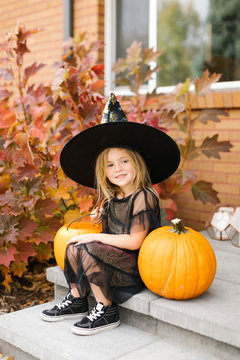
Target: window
(192, 35)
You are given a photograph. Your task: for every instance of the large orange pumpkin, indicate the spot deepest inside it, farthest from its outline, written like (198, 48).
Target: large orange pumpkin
(177, 262)
(66, 233)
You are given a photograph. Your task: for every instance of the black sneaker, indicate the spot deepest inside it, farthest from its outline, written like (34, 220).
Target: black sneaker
(100, 318)
(68, 308)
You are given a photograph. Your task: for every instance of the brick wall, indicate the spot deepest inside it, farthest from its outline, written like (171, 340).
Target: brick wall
(46, 46)
(223, 173)
(89, 16)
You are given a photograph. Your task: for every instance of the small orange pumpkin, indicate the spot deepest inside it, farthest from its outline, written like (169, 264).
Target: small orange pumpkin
(66, 233)
(176, 262)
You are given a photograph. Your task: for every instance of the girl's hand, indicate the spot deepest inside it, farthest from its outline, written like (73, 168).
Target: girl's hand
(82, 239)
(96, 216)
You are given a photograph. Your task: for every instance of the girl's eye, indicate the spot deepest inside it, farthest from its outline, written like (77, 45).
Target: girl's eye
(125, 161)
(109, 165)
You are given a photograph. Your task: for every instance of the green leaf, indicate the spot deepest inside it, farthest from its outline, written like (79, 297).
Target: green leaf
(211, 114)
(204, 192)
(44, 251)
(183, 89)
(211, 146)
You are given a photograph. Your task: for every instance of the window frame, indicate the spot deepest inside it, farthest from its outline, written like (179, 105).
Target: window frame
(110, 54)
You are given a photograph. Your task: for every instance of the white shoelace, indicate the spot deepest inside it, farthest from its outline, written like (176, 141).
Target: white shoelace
(64, 302)
(95, 313)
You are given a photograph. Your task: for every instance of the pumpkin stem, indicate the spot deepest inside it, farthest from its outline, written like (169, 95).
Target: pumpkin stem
(178, 226)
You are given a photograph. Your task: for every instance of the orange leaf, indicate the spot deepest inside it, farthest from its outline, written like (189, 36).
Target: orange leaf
(97, 85)
(203, 85)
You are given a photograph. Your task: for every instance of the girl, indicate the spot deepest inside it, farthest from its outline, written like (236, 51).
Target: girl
(106, 263)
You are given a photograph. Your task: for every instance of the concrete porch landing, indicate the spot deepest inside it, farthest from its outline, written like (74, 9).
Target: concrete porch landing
(207, 327)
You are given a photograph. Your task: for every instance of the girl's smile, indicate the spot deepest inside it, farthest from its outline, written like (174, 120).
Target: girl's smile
(120, 170)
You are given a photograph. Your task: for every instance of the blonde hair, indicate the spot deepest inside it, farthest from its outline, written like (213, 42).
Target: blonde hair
(107, 190)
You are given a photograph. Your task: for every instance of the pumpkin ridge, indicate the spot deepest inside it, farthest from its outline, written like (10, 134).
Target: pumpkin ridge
(172, 267)
(210, 259)
(186, 267)
(205, 255)
(194, 249)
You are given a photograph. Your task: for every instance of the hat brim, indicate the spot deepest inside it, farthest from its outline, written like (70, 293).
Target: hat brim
(159, 150)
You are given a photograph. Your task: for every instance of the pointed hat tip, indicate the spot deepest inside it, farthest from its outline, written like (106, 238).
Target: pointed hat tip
(113, 111)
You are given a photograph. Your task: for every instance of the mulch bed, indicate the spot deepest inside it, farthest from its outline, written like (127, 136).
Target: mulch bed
(34, 289)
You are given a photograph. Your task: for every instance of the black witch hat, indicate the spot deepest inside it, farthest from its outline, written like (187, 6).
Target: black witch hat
(160, 152)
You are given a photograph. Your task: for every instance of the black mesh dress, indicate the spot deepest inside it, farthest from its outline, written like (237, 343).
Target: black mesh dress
(113, 269)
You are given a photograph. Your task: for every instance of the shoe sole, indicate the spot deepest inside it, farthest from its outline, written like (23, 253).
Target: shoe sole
(80, 331)
(62, 317)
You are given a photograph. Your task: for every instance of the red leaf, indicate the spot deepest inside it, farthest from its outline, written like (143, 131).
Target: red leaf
(7, 198)
(8, 117)
(25, 250)
(98, 69)
(26, 228)
(11, 153)
(44, 207)
(46, 230)
(23, 34)
(38, 129)
(27, 170)
(30, 71)
(7, 255)
(4, 94)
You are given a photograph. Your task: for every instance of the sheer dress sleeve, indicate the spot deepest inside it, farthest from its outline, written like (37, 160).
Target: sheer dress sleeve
(105, 219)
(145, 212)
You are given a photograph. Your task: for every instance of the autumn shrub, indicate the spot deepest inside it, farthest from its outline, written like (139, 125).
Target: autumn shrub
(36, 120)
(168, 112)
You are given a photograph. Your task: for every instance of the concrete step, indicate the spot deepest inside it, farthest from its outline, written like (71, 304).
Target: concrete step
(26, 337)
(207, 327)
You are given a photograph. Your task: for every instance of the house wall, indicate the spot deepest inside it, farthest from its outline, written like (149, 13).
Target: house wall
(89, 16)
(224, 173)
(46, 46)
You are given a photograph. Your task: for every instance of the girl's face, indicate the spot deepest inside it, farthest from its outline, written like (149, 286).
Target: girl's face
(120, 170)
